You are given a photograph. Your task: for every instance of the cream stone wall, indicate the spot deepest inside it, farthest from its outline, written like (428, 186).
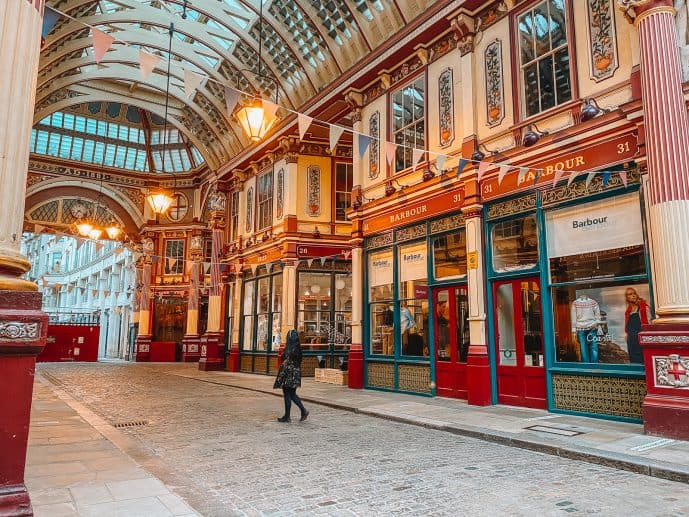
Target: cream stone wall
(380, 105)
(452, 61)
(307, 222)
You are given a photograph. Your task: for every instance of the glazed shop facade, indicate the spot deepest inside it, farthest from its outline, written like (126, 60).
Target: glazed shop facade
(562, 262)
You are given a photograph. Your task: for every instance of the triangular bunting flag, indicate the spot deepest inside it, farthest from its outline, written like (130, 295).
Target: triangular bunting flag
(101, 43)
(106, 293)
(390, 149)
(364, 142)
(270, 108)
(440, 162)
(461, 165)
(623, 177)
(192, 80)
(335, 134)
(70, 288)
(347, 254)
(99, 247)
(304, 122)
(206, 267)
(590, 177)
(147, 62)
(606, 178)
(309, 262)
(482, 168)
(323, 259)
(269, 267)
(502, 171)
(94, 292)
(38, 228)
(572, 175)
(81, 290)
(254, 267)
(522, 175)
(231, 99)
(416, 155)
(50, 18)
(558, 174)
(537, 176)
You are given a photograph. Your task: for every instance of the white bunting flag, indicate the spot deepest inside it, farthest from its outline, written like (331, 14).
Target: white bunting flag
(590, 177)
(390, 149)
(147, 62)
(440, 162)
(572, 175)
(304, 124)
(192, 80)
(269, 267)
(482, 168)
(502, 171)
(323, 259)
(101, 44)
(231, 99)
(206, 267)
(558, 175)
(254, 267)
(309, 262)
(416, 155)
(99, 247)
(522, 174)
(623, 177)
(270, 108)
(335, 135)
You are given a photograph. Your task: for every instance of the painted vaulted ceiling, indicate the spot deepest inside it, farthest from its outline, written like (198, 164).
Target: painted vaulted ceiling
(304, 45)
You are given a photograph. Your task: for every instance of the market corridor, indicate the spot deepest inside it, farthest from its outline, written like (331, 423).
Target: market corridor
(222, 450)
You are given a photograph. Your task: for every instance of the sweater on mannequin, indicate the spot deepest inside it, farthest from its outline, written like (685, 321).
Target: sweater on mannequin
(585, 313)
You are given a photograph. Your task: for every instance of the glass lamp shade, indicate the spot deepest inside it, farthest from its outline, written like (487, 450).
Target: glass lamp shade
(95, 233)
(254, 120)
(113, 231)
(159, 200)
(84, 228)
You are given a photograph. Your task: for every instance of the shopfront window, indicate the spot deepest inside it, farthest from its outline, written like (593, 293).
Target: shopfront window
(450, 255)
(408, 122)
(325, 310)
(277, 313)
(413, 308)
(597, 251)
(515, 244)
(248, 311)
(261, 311)
(381, 302)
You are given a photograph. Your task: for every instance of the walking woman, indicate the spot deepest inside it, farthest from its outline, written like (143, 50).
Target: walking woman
(289, 376)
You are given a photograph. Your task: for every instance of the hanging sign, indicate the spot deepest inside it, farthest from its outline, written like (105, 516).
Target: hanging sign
(411, 212)
(589, 158)
(307, 251)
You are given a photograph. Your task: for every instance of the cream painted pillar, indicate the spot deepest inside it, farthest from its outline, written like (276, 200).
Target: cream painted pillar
(356, 351)
(289, 298)
(20, 41)
(291, 183)
(191, 340)
(143, 338)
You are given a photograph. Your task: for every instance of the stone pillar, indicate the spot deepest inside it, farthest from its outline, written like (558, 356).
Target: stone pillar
(191, 340)
(478, 363)
(212, 340)
(356, 350)
(143, 338)
(666, 340)
(23, 327)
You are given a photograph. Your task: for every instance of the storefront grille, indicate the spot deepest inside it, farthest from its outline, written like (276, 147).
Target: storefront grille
(381, 375)
(272, 364)
(579, 189)
(414, 378)
(411, 233)
(512, 207)
(379, 241)
(447, 223)
(260, 363)
(308, 365)
(613, 396)
(245, 365)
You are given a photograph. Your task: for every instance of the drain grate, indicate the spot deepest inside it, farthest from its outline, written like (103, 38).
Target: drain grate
(135, 423)
(553, 430)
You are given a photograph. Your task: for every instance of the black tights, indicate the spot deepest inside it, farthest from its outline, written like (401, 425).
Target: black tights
(290, 395)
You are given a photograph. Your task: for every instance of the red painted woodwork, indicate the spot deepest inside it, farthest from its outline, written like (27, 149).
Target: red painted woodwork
(71, 343)
(234, 359)
(143, 349)
(26, 329)
(449, 329)
(191, 349)
(520, 383)
(162, 352)
(666, 408)
(212, 352)
(478, 376)
(355, 367)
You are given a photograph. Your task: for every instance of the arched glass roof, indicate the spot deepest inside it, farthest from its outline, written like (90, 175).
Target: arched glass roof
(115, 135)
(296, 46)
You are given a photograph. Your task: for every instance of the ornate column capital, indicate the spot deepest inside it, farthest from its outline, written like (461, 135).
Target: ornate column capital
(637, 10)
(464, 32)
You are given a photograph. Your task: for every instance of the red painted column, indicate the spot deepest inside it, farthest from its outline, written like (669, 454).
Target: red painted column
(666, 340)
(23, 327)
(212, 346)
(143, 339)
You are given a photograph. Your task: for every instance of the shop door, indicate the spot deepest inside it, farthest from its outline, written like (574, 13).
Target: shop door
(451, 325)
(519, 343)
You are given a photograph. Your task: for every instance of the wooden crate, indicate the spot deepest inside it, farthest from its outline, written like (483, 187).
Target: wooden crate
(331, 376)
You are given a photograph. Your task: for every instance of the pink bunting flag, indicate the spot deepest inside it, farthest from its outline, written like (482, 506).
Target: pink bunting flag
(522, 174)
(390, 149)
(101, 43)
(623, 177)
(231, 99)
(482, 168)
(558, 175)
(147, 62)
(304, 122)
(335, 135)
(99, 247)
(192, 80)
(502, 171)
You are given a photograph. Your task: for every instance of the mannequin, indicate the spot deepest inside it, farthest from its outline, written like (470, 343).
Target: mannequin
(585, 314)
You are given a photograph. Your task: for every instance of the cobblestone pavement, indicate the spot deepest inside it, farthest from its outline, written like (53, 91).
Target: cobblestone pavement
(234, 458)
